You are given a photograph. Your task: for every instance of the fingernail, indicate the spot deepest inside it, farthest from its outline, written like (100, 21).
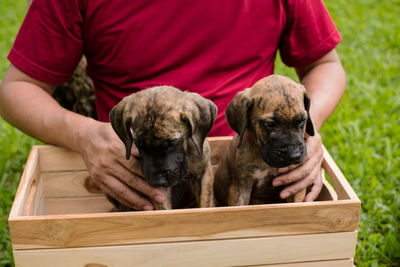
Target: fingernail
(148, 207)
(159, 198)
(285, 195)
(276, 182)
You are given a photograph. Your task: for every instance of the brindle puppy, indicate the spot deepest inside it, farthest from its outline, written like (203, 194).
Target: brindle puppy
(270, 120)
(169, 129)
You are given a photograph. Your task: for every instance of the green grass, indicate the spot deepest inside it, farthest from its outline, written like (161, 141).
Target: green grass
(14, 145)
(364, 132)
(362, 135)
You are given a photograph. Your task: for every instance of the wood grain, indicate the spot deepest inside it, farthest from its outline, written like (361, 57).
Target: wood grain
(78, 230)
(30, 174)
(98, 203)
(330, 263)
(77, 205)
(229, 252)
(66, 184)
(72, 184)
(218, 147)
(53, 158)
(35, 206)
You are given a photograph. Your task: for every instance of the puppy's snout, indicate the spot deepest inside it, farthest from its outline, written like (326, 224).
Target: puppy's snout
(164, 177)
(158, 180)
(294, 155)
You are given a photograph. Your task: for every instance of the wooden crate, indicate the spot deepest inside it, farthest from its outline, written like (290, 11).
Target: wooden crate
(55, 221)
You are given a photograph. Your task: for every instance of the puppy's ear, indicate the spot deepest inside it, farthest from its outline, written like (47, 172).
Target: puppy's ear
(238, 113)
(309, 123)
(199, 118)
(122, 117)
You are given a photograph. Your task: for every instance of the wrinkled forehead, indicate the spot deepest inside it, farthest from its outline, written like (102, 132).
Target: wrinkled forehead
(159, 124)
(283, 102)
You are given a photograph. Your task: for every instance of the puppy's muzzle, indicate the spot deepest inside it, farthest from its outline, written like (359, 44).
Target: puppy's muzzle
(284, 156)
(166, 172)
(165, 178)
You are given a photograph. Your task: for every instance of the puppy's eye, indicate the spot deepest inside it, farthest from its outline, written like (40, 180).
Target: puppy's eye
(268, 125)
(172, 142)
(178, 142)
(166, 143)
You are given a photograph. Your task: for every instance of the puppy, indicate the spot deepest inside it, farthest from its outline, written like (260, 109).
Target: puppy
(169, 129)
(270, 120)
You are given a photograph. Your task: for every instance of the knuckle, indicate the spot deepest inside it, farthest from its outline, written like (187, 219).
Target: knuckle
(121, 193)
(135, 164)
(96, 176)
(132, 181)
(286, 179)
(102, 163)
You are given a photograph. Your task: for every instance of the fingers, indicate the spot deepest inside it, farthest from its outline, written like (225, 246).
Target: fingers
(136, 182)
(104, 155)
(123, 194)
(315, 190)
(287, 169)
(308, 173)
(299, 173)
(313, 178)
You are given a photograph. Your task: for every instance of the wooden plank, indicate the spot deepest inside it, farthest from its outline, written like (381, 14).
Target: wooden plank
(327, 191)
(53, 158)
(72, 184)
(38, 206)
(30, 174)
(218, 147)
(30, 198)
(78, 230)
(67, 184)
(77, 205)
(59, 159)
(330, 263)
(90, 203)
(342, 186)
(229, 252)
(34, 204)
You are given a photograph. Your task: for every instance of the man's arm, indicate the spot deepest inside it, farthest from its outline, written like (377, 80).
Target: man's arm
(325, 82)
(27, 104)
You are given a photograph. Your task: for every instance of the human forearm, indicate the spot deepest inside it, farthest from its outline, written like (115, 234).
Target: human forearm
(325, 81)
(32, 109)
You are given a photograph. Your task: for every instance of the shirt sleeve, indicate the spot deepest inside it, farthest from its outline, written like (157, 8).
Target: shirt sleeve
(49, 44)
(309, 33)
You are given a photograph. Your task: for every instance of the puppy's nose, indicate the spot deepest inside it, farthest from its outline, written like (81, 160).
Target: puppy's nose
(158, 180)
(294, 156)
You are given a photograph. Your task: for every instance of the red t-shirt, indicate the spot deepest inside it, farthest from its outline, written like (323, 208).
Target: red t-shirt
(214, 48)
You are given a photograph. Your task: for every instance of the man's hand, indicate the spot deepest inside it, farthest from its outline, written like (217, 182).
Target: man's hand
(305, 174)
(104, 155)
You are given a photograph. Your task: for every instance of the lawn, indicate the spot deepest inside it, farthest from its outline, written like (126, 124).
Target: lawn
(362, 135)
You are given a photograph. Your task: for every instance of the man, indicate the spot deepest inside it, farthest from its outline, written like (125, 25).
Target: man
(215, 48)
